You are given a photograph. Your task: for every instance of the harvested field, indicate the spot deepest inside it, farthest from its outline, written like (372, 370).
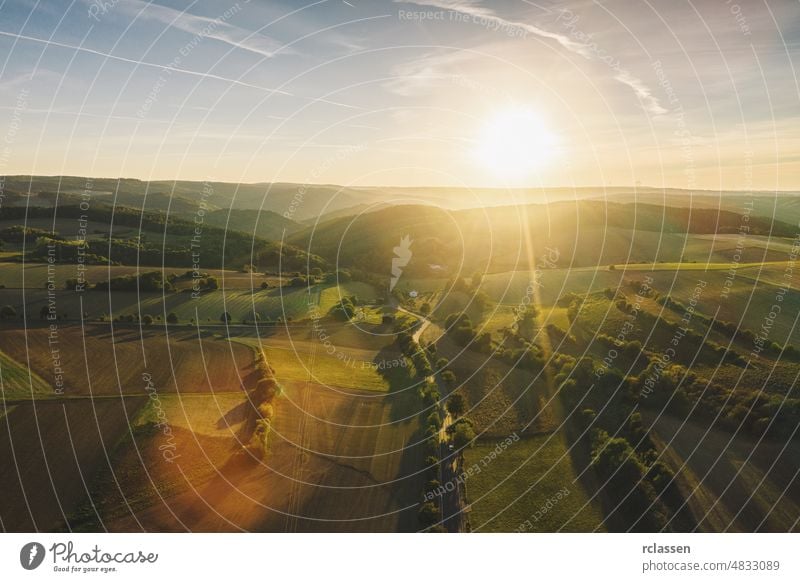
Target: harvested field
(53, 449)
(338, 462)
(732, 482)
(106, 360)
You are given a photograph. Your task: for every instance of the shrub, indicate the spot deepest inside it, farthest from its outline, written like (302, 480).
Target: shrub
(428, 514)
(266, 411)
(463, 433)
(265, 391)
(260, 439)
(456, 405)
(449, 378)
(434, 420)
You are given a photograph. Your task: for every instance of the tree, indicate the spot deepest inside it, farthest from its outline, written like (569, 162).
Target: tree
(265, 391)
(211, 283)
(463, 433)
(449, 378)
(43, 312)
(225, 317)
(434, 420)
(172, 318)
(618, 465)
(345, 309)
(459, 326)
(428, 514)
(147, 319)
(476, 279)
(264, 285)
(456, 405)
(527, 323)
(633, 349)
(7, 312)
(483, 343)
(425, 309)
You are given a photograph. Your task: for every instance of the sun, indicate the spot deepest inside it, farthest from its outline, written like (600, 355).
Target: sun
(515, 144)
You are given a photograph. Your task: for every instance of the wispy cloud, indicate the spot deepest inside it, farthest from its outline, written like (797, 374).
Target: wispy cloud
(109, 56)
(643, 92)
(475, 8)
(218, 28)
(415, 77)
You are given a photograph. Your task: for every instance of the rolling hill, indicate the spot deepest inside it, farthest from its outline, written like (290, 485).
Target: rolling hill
(585, 233)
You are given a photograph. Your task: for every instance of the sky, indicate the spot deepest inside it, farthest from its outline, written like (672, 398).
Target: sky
(696, 95)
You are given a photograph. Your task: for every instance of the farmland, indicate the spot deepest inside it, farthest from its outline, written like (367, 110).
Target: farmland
(353, 391)
(101, 360)
(732, 482)
(311, 462)
(522, 484)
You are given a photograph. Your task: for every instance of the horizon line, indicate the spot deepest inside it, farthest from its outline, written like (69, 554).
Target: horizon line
(4, 177)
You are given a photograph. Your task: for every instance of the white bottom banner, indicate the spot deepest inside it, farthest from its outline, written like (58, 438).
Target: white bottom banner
(381, 557)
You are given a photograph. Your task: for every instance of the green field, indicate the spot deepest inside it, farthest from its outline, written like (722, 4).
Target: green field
(300, 361)
(287, 303)
(17, 381)
(35, 275)
(330, 295)
(518, 483)
(750, 299)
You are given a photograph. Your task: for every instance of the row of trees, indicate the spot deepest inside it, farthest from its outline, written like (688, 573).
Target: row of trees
(459, 328)
(730, 329)
(461, 432)
(639, 492)
(262, 399)
(430, 509)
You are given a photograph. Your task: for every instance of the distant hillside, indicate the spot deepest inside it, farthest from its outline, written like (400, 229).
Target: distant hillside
(265, 224)
(299, 201)
(585, 233)
(349, 211)
(302, 203)
(150, 238)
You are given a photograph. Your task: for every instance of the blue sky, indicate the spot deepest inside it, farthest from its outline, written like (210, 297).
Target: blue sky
(699, 95)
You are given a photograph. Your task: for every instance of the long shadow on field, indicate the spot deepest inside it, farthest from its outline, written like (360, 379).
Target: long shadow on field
(403, 399)
(763, 489)
(235, 415)
(413, 475)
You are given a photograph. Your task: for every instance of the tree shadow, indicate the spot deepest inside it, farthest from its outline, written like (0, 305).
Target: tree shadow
(395, 369)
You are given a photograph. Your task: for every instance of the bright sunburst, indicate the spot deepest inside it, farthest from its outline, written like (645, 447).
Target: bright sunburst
(514, 144)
